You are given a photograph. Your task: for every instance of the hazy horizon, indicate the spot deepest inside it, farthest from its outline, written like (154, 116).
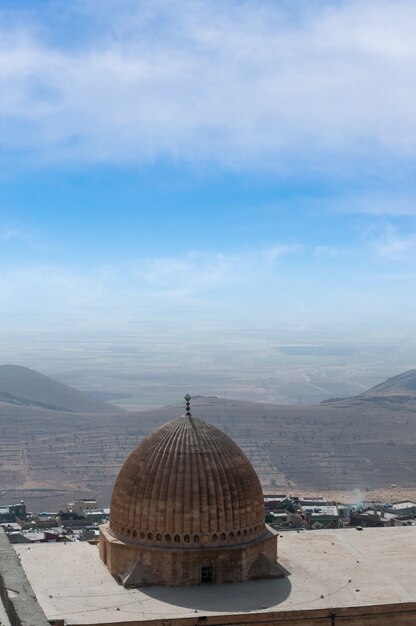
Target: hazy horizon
(155, 365)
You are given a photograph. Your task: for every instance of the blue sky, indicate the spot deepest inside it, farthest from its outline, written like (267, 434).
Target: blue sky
(221, 161)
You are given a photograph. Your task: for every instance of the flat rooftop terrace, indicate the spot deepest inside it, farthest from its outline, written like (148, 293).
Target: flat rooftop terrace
(326, 569)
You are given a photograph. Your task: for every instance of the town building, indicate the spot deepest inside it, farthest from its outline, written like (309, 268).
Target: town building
(82, 506)
(9, 512)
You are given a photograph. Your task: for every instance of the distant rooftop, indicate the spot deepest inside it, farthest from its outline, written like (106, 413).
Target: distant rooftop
(405, 504)
(321, 510)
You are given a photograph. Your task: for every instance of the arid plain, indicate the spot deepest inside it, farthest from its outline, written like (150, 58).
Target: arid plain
(156, 365)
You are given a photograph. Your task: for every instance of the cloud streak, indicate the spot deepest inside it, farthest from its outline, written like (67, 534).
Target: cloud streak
(242, 85)
(198, 272)
(264, 283)
(379, 204)
(10, 234)
(395, 246)
(53, 291)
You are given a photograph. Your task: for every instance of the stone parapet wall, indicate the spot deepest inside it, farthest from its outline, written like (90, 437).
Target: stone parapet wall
(16, 593)
(381, 615)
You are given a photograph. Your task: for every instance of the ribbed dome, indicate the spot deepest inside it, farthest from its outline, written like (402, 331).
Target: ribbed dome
(187, 483)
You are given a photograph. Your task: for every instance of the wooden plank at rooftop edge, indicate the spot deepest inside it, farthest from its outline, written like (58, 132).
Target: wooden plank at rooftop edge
(403, 614)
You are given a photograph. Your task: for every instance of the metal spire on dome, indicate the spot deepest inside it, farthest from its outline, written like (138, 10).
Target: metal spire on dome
(188, 405)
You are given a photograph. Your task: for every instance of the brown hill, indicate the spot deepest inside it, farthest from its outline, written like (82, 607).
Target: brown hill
(22, 386)
(401, 385)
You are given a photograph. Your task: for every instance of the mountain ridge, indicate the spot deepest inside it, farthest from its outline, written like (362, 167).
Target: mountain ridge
(403, 384)
(23, 386)
(357, 443)
(399, 388)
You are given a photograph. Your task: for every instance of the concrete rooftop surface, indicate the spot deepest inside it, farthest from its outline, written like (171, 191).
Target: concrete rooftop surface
(326, 569)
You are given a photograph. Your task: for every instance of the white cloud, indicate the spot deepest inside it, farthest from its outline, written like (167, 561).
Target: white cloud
(275, 252)
(378, 204)
(327, 251)
(8, 234)
(395, 246)
(192, 270)
(50, 290)
(196, 272)
(271, 283)
(49, 287)
(236, 84)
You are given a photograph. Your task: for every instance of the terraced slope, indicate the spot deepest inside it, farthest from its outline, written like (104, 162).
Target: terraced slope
(48, 457)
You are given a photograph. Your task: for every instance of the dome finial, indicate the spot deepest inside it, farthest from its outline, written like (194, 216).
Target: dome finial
(188, 405)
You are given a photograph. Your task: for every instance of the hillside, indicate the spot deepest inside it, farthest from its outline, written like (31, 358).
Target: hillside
(401, 385)
(22, 386)
(47, 457)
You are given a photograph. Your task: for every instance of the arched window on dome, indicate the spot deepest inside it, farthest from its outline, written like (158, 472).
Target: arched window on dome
(196, 538)
(168, 537)
(186, 538)
(177, 538)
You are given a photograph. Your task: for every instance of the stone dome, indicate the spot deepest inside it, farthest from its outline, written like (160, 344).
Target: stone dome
(187, 485)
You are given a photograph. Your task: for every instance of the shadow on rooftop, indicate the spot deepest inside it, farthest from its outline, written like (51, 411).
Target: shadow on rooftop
(232, 597)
